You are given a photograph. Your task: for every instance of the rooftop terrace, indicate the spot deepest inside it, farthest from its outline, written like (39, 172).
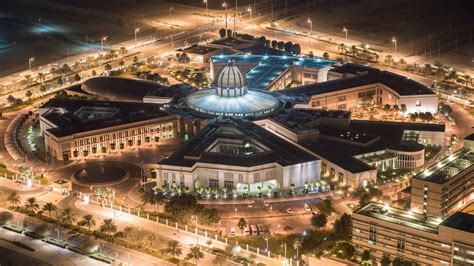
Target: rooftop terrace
(449, 167)
(400, 216)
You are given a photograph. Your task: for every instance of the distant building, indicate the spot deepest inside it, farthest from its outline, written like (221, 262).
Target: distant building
(447, 186)
(351, 85)
(76, 129)
(240, 155)
(412, 237)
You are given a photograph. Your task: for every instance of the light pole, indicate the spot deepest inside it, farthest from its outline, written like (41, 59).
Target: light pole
(205, 1)
(346, 31)
(169, 15)
(197, 233)
(235, 15)
(310, 22)
(102, 42)
(136, 31)
(31, 59)
(250, 11)
(224, 5)
(394, 40)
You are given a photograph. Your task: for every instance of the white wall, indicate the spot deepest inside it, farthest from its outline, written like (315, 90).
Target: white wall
(429, 103)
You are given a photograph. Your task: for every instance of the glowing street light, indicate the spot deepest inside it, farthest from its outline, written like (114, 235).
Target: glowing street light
(31, 59)
(224, 5)
(250, 11)
(394, 40)
(102, 42)
(136, 31)
(310, 22)
(197, 233)
(205, 1)
(169, 15)
(346, 31)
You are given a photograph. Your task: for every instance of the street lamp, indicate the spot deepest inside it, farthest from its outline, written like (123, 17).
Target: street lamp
(136, 31)
(31, 59)
(197, 233)
(102, 42)
(169, 15)
(235, 15)
(310, 22)
(224, 5)
(394, 40)
(249, 9)
(346, 31)
(205, 1)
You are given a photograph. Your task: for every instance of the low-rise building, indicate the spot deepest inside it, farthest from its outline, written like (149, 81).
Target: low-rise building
(413, 237)
(447, 186)
(76, 129)
(240, 155)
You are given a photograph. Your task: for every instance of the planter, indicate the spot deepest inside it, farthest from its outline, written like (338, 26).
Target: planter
(85, 152)
(122, 146)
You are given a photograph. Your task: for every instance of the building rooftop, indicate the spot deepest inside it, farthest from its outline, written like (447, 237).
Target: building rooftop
(400, 216)
(300, 120)
(238, 143)
(268, 67)
(449, 167)
(363, 76)
(470, 137)
(73, 116)
(198, 49)
(460, 221)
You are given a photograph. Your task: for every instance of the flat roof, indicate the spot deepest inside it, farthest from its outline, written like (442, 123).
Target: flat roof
(448, 167)
(300, 120)
(232, 131)
(73, 115)
(401, 217)
(198, 49)
(363, 76)
(460, 221)
(269, 67)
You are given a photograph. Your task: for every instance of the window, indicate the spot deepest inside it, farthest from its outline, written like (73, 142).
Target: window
(341, 106)
(241, 178)
(341, 177)
(341, 98)
(214, 183)
(316, 103)
(256, 177)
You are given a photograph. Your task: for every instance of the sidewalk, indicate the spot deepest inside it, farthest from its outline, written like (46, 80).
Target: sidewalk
(186, 238)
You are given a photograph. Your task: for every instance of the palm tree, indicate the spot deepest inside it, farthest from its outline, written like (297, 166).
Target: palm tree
(287, 228)
(297, 245)
(108, 227)
(32, 204)
(150, 240)
(14, 198)
(173, 248)
(49, 207)
(195, 254)
(241, 224)
(128, 231)
(87, 221)
(67, 216)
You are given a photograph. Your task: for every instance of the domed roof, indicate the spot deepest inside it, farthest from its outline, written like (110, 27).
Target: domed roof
(230, 77)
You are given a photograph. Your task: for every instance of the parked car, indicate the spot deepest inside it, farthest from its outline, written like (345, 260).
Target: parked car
(232, 231)
(246, 230)
(289, 211)
(307, 208)
(250, 205)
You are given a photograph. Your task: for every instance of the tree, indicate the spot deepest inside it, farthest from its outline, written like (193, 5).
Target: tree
(342, 228)
(219, 259)
(183, 58)
(345, 250)
(128, 232)
(32, 204)
(403, 108)
(67, 216)
(325, 206)
(274, 44)
(108, 67)
(365, 257)
(281, 45)
(288, 47)
(387, 107)
(28, 94)
(319, 220)
(94, 73)
(150, 240)
(5, 217)
(229, 33)
(108, 227)
(87, 221)
(241, 224)
(297, 245)
(14, 198)
(395, 108)
(173, 248)
(222, 33)
(310, 54)
(385, 261)
(77, 78)
(121, 63)
(296, 49)
(11, 100)
(42, 88)
(49, 207)
(195, 254)
(326, 55)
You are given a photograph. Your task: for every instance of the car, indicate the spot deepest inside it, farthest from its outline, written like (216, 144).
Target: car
(307, 208)
(250, 205)
(232, 231)
(290, 211)
(265, 204)
(247, 230)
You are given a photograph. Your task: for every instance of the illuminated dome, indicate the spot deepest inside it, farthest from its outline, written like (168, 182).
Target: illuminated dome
(230, 81)
(230, 97)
